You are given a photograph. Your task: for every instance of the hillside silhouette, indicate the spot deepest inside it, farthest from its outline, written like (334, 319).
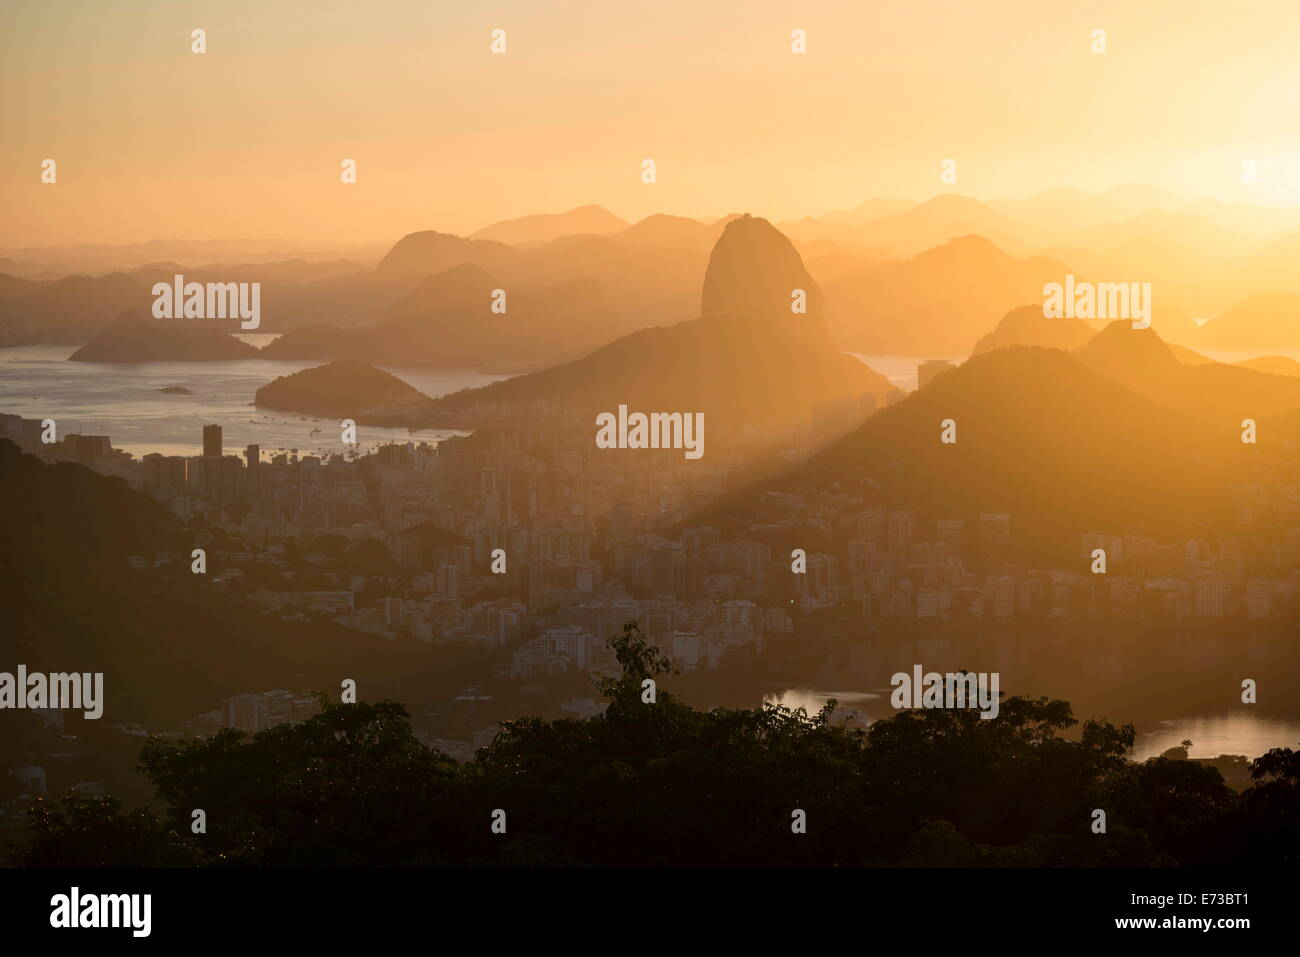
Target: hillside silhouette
(1027, 326)
(543, 227)
(747, 359)
(1061, 448)
(170, 646)
(446, 321)
(131, 338)
(1277, 365)
(1217, 392)
(346, 389)
(900, 277)
(1261, 322)
(939, 302)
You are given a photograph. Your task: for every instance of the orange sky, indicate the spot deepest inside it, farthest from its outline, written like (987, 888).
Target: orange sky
(153, 141)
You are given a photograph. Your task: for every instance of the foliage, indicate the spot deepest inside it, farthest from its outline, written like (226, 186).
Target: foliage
(666, 784)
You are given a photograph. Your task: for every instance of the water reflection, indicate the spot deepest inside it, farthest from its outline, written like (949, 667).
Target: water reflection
(1238, 732)
(124, 401)
(1171, 684)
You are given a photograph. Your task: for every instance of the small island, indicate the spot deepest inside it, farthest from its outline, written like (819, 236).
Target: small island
(348, 389)
(130, 338)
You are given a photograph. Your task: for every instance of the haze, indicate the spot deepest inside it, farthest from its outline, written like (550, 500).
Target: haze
(246, 140)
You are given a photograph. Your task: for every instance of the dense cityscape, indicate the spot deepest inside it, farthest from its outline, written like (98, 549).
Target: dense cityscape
(532, 544)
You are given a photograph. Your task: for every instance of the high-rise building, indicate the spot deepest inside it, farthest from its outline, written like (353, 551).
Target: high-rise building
(950, 533)
(1232, 559)
(1291, 546)
(998, 598)
(164, 472)
(1259, 599)
(870, 525)
(995, 536)
(86, 449)
(212, 440)
(218, 478)
(252, 456)
(900, 528)
(1212, 598)
(927, 370)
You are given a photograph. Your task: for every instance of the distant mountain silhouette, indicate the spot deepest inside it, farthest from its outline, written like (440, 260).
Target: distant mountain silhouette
(1130, 199)
(940, 302)
(753, 273)
(723, 367)
(1120, 351)
(1187, 259)
(1274, 365)
(945, 217)
(645, 285)
(869, 210)
(288, 271)
(15, 287)
(163, 266)
(346, 389)
(71, 309)
(1269, 267)
(321, 340)
(1201, 257)
(130, 338)
(74, 309)
(1188, 357)
(1027, 326)
(1222, 394)
(1065, 210)
(1060, 448)
(564, 299)
(811, 228)
(1263, 321)
(828, 264)
(446, 321)
(676, 232)
(561, 244)
(748, 359)
(1054, 209)
(543, 227)
(1181, 233)
(422, 254)
(461, 287)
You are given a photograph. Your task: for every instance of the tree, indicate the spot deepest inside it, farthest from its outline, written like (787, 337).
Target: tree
(662, 783)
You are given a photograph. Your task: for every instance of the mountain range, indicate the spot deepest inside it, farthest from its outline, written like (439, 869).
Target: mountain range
(1036, 437)
(748, 358)
(899, 276)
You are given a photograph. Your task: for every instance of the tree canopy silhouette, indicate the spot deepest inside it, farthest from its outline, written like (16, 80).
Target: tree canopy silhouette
(663, 783)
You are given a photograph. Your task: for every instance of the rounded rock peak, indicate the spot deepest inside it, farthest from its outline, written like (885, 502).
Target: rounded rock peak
(754, 272)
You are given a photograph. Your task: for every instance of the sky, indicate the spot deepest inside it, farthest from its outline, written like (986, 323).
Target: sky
(153, 141)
